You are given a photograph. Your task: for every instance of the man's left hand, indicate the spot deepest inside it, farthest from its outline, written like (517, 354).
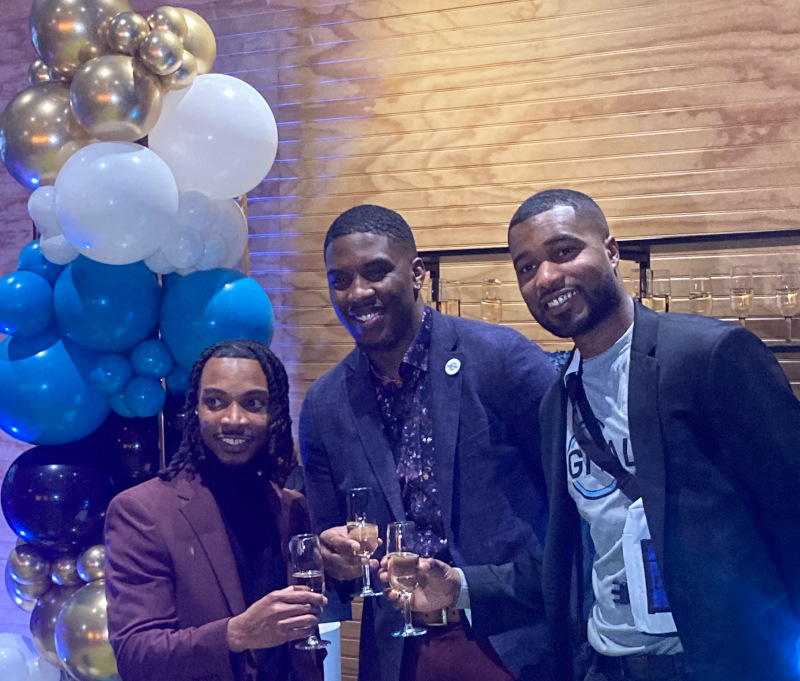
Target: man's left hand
(439, 585)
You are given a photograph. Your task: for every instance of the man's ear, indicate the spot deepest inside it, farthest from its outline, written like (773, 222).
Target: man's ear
(612, 251)
(418, 274)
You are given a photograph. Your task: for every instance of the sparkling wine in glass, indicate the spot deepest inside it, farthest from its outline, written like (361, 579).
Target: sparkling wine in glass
(741, 292)
(449, 297)
(307, 571)
(361, 528)
(401, 549)
(492, 301)
(787, 296)
(700, 297)
(660, 290)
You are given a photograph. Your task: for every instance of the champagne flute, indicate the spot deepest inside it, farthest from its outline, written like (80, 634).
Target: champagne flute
(787, 294)
(403, 562)
(449, 297)
(700, 298)
(660, 290)
(741, 292)
(307, 571)
(361, 529)
(492, 301)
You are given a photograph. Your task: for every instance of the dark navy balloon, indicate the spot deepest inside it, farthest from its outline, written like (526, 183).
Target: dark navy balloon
(32, 260)
(57, 496)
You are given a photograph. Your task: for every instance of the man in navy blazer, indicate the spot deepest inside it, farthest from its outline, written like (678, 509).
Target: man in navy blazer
(469, 393)
(703, 421)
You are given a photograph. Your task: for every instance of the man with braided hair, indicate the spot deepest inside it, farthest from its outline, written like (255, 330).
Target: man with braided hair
(196, 564)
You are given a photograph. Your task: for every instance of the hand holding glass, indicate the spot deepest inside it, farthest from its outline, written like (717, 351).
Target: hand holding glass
(401, 550)
(307, 571)
(361, 529)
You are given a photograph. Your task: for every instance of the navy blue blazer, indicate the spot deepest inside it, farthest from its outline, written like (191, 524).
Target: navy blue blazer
(486, 434)
(715, 434)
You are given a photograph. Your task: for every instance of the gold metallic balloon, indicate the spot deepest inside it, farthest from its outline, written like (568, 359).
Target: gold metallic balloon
(39, 72)
(65, 571)
(38, 133)
(126, 32)
(66, 33)
(184, 76)
(92, 563)
(170, 19)
(199, 40)
(43, 621)
(116, 99)
(28, 564)
(82, 635)
(161, 52)
(25, 595)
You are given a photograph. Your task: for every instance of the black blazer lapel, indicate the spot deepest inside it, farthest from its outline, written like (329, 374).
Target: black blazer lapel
(369, 425)
(446, 365)
(644, 422)
(203, 515)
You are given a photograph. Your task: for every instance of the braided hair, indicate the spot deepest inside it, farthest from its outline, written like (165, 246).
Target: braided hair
(277, 457)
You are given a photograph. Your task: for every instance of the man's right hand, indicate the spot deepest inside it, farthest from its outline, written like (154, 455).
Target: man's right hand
(285, 615)
(339, 554)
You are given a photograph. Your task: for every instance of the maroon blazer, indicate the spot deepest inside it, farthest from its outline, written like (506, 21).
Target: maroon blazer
(172, 583)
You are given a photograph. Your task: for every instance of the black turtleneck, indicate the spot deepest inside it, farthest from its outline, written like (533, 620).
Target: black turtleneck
(241, 492)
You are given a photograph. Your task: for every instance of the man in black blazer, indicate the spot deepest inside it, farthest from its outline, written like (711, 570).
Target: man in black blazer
(690, 558)
(439, 416)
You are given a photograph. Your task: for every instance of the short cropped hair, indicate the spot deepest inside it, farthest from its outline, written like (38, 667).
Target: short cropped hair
(550, 198)
(368, 218)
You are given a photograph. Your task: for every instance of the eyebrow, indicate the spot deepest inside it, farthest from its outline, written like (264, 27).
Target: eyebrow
(553, 241)
(220, 391)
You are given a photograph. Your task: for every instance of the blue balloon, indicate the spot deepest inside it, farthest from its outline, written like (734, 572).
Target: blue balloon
(120, 406)
(46, 395)
(32, 260)
(152, 358)
(109, 308)
(26, 304)
(204, 308)
(178, 381)
(111, 374)
(145, 396)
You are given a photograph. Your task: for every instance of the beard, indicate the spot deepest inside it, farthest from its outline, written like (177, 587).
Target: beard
(601, 302)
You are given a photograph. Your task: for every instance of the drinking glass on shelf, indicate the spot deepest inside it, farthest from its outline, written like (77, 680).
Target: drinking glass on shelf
(449, 301)
(700, 298)
(401, 549)
(492, 301)
(660, 290)
(787, 295)
(361, 528)
(307, 571)
(741, 292)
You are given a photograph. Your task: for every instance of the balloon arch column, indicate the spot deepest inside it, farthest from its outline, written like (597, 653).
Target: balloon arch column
(134, 274)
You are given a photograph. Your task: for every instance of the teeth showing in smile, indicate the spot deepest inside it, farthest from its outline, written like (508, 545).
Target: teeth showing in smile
(366, 316)
(563, 298)
(233, 441)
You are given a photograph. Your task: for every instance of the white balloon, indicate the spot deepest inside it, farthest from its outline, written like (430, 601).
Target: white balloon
(58, 250)
(42, 209)
(113, 201)
(13, 665)
(20, 642)
(182, 249)
(213, 252)
(41, 670)
(218, 136)
(158, 263)
(231, 227)
(196, 211)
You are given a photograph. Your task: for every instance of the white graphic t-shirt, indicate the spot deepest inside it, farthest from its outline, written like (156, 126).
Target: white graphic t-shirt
(612, 629)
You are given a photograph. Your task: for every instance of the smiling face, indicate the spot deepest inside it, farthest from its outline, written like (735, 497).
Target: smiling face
(232, 408)
(566, 268)
(374, 286)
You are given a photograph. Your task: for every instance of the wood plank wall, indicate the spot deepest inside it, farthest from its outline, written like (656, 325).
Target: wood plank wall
(677, 116)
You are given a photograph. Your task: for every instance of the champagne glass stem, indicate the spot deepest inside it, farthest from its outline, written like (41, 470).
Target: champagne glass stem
(408, 627)
(366, 586)
(788, 329)
(742, 322)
